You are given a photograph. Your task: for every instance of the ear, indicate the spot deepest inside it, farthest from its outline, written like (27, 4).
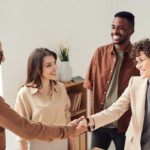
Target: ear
(131, 31)
(39, 72)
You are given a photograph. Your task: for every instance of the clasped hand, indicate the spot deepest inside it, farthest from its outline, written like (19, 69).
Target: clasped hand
(81, 126)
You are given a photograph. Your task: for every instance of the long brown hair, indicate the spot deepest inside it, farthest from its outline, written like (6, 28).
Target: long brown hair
(34, 67)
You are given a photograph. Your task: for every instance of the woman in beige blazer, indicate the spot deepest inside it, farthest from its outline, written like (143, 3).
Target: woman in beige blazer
(137, 97)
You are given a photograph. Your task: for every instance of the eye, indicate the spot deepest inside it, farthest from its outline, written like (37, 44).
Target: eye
(136, 62)
(48, 65)
(55, 62)
(121, 28)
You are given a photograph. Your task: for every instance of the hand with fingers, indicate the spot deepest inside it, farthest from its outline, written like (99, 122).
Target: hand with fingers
(79, 130)
(82, 123)
(87, 123)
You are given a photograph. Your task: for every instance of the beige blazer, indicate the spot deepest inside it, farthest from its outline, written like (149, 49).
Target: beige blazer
(134, 96)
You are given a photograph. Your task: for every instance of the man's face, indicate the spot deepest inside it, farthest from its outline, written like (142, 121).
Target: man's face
(120, 30)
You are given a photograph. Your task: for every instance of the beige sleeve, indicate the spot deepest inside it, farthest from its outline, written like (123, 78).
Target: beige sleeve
(22, 108)
(67, 108)
(114, 112)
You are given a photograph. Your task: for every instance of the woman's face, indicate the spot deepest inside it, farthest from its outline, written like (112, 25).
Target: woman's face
(49, 68)
(143, 65)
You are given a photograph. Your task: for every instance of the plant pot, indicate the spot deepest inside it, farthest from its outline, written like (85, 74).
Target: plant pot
(65, 72)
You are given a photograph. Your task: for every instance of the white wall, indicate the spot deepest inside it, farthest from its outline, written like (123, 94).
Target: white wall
(26, 25)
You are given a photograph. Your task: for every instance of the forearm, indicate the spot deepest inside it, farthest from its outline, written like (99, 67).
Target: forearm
(71, 143)
(23, 127)
(22, 145)
(113, 113)
(70, 140)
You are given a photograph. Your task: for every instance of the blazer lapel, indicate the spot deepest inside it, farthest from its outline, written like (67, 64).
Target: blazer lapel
(140, 97)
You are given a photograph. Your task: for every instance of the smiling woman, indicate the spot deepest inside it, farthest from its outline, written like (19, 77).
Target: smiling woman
(43, 99)
(141, 54)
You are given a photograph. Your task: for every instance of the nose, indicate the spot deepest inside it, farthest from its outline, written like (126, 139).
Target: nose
(116, 31)
(138, 66)
(55, 67)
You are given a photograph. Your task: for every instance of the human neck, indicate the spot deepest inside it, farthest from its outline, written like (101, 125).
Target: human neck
(121, 47)
(46, 86)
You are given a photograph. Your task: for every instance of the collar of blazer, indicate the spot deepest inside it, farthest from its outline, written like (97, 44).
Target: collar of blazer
(139, 98)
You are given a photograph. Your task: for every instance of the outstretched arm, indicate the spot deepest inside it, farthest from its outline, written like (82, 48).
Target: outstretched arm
(31, 130)
(112, 113)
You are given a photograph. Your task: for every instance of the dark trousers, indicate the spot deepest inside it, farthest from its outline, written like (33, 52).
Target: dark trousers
(102, 138)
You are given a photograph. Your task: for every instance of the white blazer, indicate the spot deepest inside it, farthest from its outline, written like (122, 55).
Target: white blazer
(134, 96)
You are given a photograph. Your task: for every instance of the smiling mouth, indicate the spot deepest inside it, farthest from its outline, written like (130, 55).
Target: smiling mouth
(116, 37)
(141, 71)
(53, 74)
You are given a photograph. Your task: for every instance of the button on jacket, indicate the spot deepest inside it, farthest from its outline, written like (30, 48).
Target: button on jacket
(100, 72)
(21, 126)
(50, 109)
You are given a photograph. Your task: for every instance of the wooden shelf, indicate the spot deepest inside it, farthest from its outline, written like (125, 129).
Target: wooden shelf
(78, 86)
(78, 112)
(72, 84)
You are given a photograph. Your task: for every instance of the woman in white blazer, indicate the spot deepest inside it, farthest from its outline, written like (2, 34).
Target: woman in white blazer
(136, 96)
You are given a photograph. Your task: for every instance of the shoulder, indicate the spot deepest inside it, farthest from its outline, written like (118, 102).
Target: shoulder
(24, 91)
(137, 81)
(60, 86)
(103, 49)
(1, 99)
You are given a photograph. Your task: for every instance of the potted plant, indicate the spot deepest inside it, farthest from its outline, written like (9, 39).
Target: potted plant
(63, 52)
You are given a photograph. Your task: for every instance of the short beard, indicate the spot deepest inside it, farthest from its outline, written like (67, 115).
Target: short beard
(123, 40)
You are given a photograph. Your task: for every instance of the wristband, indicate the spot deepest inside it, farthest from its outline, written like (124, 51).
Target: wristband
(88, 121)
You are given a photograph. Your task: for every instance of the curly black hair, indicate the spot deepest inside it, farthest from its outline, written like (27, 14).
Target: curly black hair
(129, 16)
(142, 45)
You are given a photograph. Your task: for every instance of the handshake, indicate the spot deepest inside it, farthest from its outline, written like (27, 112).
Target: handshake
(81, 126)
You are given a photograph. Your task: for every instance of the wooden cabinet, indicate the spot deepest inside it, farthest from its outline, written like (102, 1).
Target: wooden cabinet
(82, 112)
